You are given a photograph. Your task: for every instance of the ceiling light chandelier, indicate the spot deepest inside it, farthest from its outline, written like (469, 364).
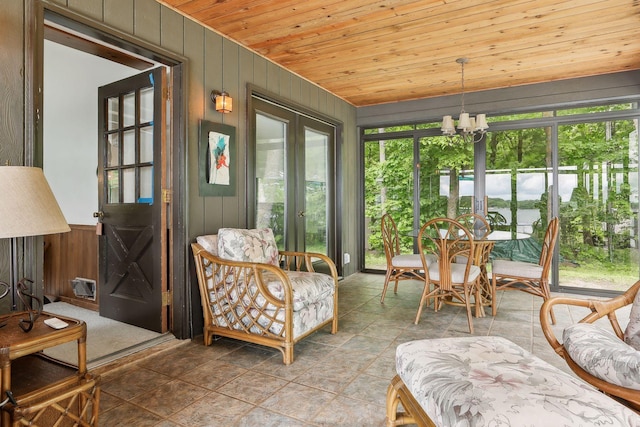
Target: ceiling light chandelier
(470, 129)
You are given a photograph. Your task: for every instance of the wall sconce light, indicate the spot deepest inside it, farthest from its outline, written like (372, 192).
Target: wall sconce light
(224, 103)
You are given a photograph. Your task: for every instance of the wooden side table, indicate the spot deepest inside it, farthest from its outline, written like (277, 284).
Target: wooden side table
(15, 344)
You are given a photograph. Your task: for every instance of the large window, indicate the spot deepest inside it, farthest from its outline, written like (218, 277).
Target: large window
(389, 177)
(578, 164)
(598, 191)
(413, 179)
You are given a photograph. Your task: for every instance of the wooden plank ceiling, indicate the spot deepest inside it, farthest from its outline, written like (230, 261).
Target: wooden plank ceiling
(377, 51)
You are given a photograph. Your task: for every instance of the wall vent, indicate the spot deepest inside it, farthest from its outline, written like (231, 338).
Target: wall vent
(84, 288)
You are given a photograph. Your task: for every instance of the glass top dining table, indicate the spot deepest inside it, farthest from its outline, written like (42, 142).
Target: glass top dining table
(501, 236)
(484, 246)
(494, 236)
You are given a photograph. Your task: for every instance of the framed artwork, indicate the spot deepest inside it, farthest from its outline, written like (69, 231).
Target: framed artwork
(217, 159)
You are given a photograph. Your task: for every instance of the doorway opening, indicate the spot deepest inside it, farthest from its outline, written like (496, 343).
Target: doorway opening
(75, 65)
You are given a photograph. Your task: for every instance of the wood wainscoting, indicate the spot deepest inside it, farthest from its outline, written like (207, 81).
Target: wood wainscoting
(68, 256)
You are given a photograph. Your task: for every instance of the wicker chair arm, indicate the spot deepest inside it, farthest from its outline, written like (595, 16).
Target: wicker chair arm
(545, 317)
(247, 270)
(598, 308)
(297, 260)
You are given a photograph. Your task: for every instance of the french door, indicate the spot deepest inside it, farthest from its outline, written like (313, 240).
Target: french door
(294, 178)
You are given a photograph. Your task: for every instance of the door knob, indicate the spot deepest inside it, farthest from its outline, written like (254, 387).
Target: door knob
(98, 214)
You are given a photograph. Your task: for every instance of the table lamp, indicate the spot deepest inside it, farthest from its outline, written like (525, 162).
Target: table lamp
(27, 208)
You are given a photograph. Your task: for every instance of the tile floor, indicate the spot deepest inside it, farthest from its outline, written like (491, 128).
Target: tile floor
(335, 380)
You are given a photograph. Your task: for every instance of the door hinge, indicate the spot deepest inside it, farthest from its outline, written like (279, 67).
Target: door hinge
(166, 196)
(166, 298)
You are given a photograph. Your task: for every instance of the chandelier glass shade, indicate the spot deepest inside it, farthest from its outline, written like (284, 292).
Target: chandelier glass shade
(469, 129)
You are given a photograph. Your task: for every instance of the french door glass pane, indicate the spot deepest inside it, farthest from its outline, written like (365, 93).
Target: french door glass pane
(113, 108)
(146, 144)
(316, 167)
(113, 150)
(129, 147)
(389, 184)
(129, 185)
(113, 187)
(598, 187)
(146, 184)
(146, 105)
(270, 174)
(129, 109)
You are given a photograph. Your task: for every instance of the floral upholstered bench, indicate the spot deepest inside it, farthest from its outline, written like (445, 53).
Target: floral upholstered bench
(252, 292)
(490, 381)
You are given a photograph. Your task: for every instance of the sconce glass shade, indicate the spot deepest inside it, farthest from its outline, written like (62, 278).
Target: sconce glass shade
(27, 204)
(224, 103)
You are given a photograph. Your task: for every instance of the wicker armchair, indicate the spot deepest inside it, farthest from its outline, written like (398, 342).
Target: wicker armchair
(273, 302)
(612, 347)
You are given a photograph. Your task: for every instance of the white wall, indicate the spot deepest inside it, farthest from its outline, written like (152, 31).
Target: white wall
(71, 81)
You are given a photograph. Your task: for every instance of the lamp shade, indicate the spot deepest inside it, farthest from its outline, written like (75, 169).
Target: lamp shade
(481, 122)
(447, 126)
(464, 123)
(27, 204)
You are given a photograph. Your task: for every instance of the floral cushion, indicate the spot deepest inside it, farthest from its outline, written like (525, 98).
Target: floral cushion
(308, 288)
(632, 332)
(490, 381)
(603, 354)
(248, 245)
(209, 242)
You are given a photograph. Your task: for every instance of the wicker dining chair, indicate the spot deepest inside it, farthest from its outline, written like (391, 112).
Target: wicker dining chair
(607, 355)
(399, 266)
(475, 223)
(446, 240)
(528, 277)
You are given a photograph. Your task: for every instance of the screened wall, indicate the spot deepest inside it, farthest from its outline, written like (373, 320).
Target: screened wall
(578, 164)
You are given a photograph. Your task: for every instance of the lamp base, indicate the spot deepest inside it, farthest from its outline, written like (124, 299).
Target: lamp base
(5, 292)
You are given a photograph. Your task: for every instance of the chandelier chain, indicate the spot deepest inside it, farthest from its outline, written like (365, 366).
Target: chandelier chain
(462, 61)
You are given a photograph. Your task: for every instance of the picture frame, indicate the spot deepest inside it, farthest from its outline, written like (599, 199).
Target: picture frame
(217, 153)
